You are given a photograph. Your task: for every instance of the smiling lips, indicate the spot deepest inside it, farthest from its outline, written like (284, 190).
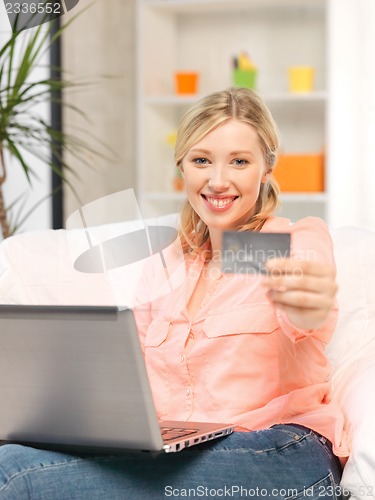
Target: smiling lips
(220, 204)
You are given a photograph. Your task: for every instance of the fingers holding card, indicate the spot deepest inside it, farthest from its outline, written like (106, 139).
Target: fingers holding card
(304, 289)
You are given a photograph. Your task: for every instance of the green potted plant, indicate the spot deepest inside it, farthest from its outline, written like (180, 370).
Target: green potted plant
(23, 133)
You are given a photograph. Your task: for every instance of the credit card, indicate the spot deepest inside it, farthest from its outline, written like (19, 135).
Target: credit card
(247, 251)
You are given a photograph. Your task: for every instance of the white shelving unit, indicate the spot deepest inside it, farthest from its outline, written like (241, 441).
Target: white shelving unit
(203, 36)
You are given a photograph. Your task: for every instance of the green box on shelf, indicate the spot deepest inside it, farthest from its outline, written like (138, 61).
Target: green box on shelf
(245, 78)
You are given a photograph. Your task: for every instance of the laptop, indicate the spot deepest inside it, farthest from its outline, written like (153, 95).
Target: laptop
(74, 377)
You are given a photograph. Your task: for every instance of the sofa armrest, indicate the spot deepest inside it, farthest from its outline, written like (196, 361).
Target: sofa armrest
(352, 354)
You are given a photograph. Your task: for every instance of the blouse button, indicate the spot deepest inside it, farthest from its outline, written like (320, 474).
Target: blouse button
(188, 392)
(182, 358)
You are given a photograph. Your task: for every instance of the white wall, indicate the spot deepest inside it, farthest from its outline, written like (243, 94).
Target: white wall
(99, 46)
(352, 113)
(16, 182)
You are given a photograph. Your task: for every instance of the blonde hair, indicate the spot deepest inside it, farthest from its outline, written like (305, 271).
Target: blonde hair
(208, 113)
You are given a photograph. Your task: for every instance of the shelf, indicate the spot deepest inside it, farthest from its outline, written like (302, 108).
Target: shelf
(172, 100)
(223, 5)
(317, 96)
(318, 197)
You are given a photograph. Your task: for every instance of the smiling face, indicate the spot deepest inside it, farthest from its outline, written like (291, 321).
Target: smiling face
(223, 173)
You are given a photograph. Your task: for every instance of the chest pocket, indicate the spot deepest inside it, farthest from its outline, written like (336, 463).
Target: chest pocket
(257, 319)
(157, 369)
(156, 333)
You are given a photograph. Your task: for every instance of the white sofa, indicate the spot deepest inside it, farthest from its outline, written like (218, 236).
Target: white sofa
(36, 268)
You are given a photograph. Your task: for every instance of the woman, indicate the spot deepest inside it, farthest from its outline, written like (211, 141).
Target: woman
(243, 349)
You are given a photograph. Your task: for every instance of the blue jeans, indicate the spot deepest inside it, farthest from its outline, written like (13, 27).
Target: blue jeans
(285, 461)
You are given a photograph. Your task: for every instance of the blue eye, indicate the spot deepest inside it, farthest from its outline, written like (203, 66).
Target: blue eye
(200, 161)
(240, 162)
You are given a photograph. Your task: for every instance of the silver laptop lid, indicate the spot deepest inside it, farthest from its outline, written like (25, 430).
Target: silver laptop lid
(74, 375)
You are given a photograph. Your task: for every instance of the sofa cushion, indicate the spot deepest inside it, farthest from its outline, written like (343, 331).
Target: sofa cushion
(38, 267)
(352, 353)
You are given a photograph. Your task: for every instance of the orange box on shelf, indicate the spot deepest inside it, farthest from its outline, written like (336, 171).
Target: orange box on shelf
(300, 173)
(186, 82)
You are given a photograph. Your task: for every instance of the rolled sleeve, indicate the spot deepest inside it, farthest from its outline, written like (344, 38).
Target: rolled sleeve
(310, 240)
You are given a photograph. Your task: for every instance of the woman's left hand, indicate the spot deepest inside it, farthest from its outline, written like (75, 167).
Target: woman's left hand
(305, 290)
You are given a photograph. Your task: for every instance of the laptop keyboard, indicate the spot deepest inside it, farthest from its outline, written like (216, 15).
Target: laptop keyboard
(170, 433)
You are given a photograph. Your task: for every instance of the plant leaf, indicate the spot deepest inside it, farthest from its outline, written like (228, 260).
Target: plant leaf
(14, 150)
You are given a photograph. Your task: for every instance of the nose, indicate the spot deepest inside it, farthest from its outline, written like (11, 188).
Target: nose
(218, 181)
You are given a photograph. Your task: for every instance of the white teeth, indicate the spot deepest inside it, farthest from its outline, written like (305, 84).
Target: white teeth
(220, 203)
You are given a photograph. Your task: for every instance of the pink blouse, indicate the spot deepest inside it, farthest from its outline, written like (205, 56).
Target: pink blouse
(239, 360)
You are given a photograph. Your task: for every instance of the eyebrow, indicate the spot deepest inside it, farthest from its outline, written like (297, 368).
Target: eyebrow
(242, 152)
(204, 151)
(232, 153)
